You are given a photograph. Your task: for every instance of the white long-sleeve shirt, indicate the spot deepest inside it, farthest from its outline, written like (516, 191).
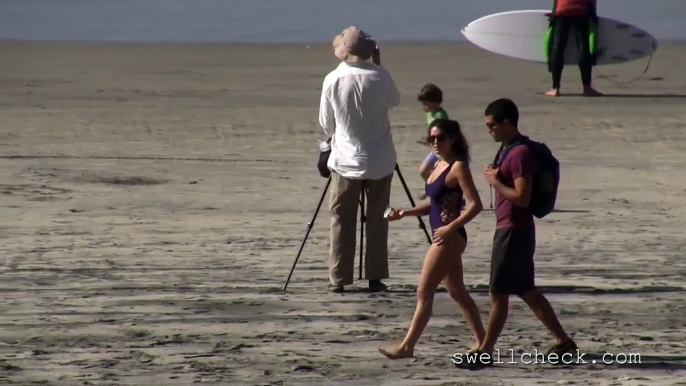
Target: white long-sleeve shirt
(354, 110)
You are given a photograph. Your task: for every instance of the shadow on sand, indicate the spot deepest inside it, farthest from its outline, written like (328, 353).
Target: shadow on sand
(628, 361)
(635, 96)
(650, 362)
(554, 210)
(548, 290)
(607, 361)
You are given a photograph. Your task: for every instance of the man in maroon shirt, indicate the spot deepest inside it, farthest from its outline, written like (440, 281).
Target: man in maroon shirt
(514, 242)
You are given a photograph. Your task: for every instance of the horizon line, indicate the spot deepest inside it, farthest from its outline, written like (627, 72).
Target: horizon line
(253, 43)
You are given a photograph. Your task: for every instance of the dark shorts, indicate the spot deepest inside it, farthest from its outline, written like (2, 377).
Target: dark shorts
(512, 261)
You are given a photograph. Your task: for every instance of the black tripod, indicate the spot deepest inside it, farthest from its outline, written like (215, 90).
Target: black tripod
(362, 221)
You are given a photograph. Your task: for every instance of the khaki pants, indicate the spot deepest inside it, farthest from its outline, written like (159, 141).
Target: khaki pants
(344, 203)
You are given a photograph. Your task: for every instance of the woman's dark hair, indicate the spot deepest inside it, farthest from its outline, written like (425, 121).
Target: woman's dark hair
(452, 129)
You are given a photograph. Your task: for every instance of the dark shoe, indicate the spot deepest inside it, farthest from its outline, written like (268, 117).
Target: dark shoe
(337, 289)
(475, 361)
(563, 348)
(377, 286)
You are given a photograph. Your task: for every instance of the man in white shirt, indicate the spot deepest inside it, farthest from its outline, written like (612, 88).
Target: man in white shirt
(354, 107)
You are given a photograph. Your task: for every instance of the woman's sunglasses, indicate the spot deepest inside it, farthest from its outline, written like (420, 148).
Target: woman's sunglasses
(434, 138)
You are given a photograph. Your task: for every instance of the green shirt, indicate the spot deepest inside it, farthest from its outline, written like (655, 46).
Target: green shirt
(438, 114)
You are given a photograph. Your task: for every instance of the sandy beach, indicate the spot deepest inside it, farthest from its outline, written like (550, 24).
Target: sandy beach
(154, 198)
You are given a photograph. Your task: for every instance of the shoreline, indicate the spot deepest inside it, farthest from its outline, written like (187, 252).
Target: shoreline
(670, 42)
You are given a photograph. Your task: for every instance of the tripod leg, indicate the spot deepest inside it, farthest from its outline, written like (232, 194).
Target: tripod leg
(363, 218)
(309, 228)
(409, 195)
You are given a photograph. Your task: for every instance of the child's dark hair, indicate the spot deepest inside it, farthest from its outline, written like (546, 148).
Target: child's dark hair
(430, 93)
(452, 129)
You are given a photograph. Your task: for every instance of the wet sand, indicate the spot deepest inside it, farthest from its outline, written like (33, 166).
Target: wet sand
(154, 198)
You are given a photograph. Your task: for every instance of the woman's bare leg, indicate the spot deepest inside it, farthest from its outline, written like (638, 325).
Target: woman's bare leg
(454, 283)
(435, 267)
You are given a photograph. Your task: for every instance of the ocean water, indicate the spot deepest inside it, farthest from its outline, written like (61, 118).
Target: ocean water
(290, 21)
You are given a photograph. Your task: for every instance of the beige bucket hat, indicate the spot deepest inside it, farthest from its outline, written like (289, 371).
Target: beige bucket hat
(353, 44)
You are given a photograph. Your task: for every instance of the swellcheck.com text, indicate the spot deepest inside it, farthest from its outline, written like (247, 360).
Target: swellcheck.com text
(510, 357)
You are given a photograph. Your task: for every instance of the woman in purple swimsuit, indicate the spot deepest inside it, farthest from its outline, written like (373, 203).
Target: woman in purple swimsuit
(450, 180)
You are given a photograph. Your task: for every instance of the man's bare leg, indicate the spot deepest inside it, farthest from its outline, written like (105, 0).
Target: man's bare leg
(496, 321)
(545, 313)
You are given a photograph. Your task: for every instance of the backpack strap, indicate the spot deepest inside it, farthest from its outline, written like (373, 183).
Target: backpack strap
(497, 156)
(500, 156)
(504, 150)
(495, 164)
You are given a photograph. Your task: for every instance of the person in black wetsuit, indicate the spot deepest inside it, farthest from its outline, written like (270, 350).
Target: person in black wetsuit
(449, 181)
(568, 15)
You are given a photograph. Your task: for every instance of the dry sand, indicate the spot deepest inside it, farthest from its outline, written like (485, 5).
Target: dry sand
(154, 198)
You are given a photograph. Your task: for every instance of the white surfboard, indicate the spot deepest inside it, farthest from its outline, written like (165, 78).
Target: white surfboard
(521, 35)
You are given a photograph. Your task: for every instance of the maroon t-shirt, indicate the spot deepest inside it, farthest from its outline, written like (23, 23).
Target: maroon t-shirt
(519, 162)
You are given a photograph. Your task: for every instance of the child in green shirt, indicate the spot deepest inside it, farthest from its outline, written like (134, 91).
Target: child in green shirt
(431, 98)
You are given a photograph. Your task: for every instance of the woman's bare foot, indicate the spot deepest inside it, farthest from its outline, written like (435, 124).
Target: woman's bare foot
(590, 91)
(554, 92)
(397, 352)
(474, 349)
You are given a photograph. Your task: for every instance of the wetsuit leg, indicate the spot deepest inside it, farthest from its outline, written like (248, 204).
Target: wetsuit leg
(582, 34)
(561, 29)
